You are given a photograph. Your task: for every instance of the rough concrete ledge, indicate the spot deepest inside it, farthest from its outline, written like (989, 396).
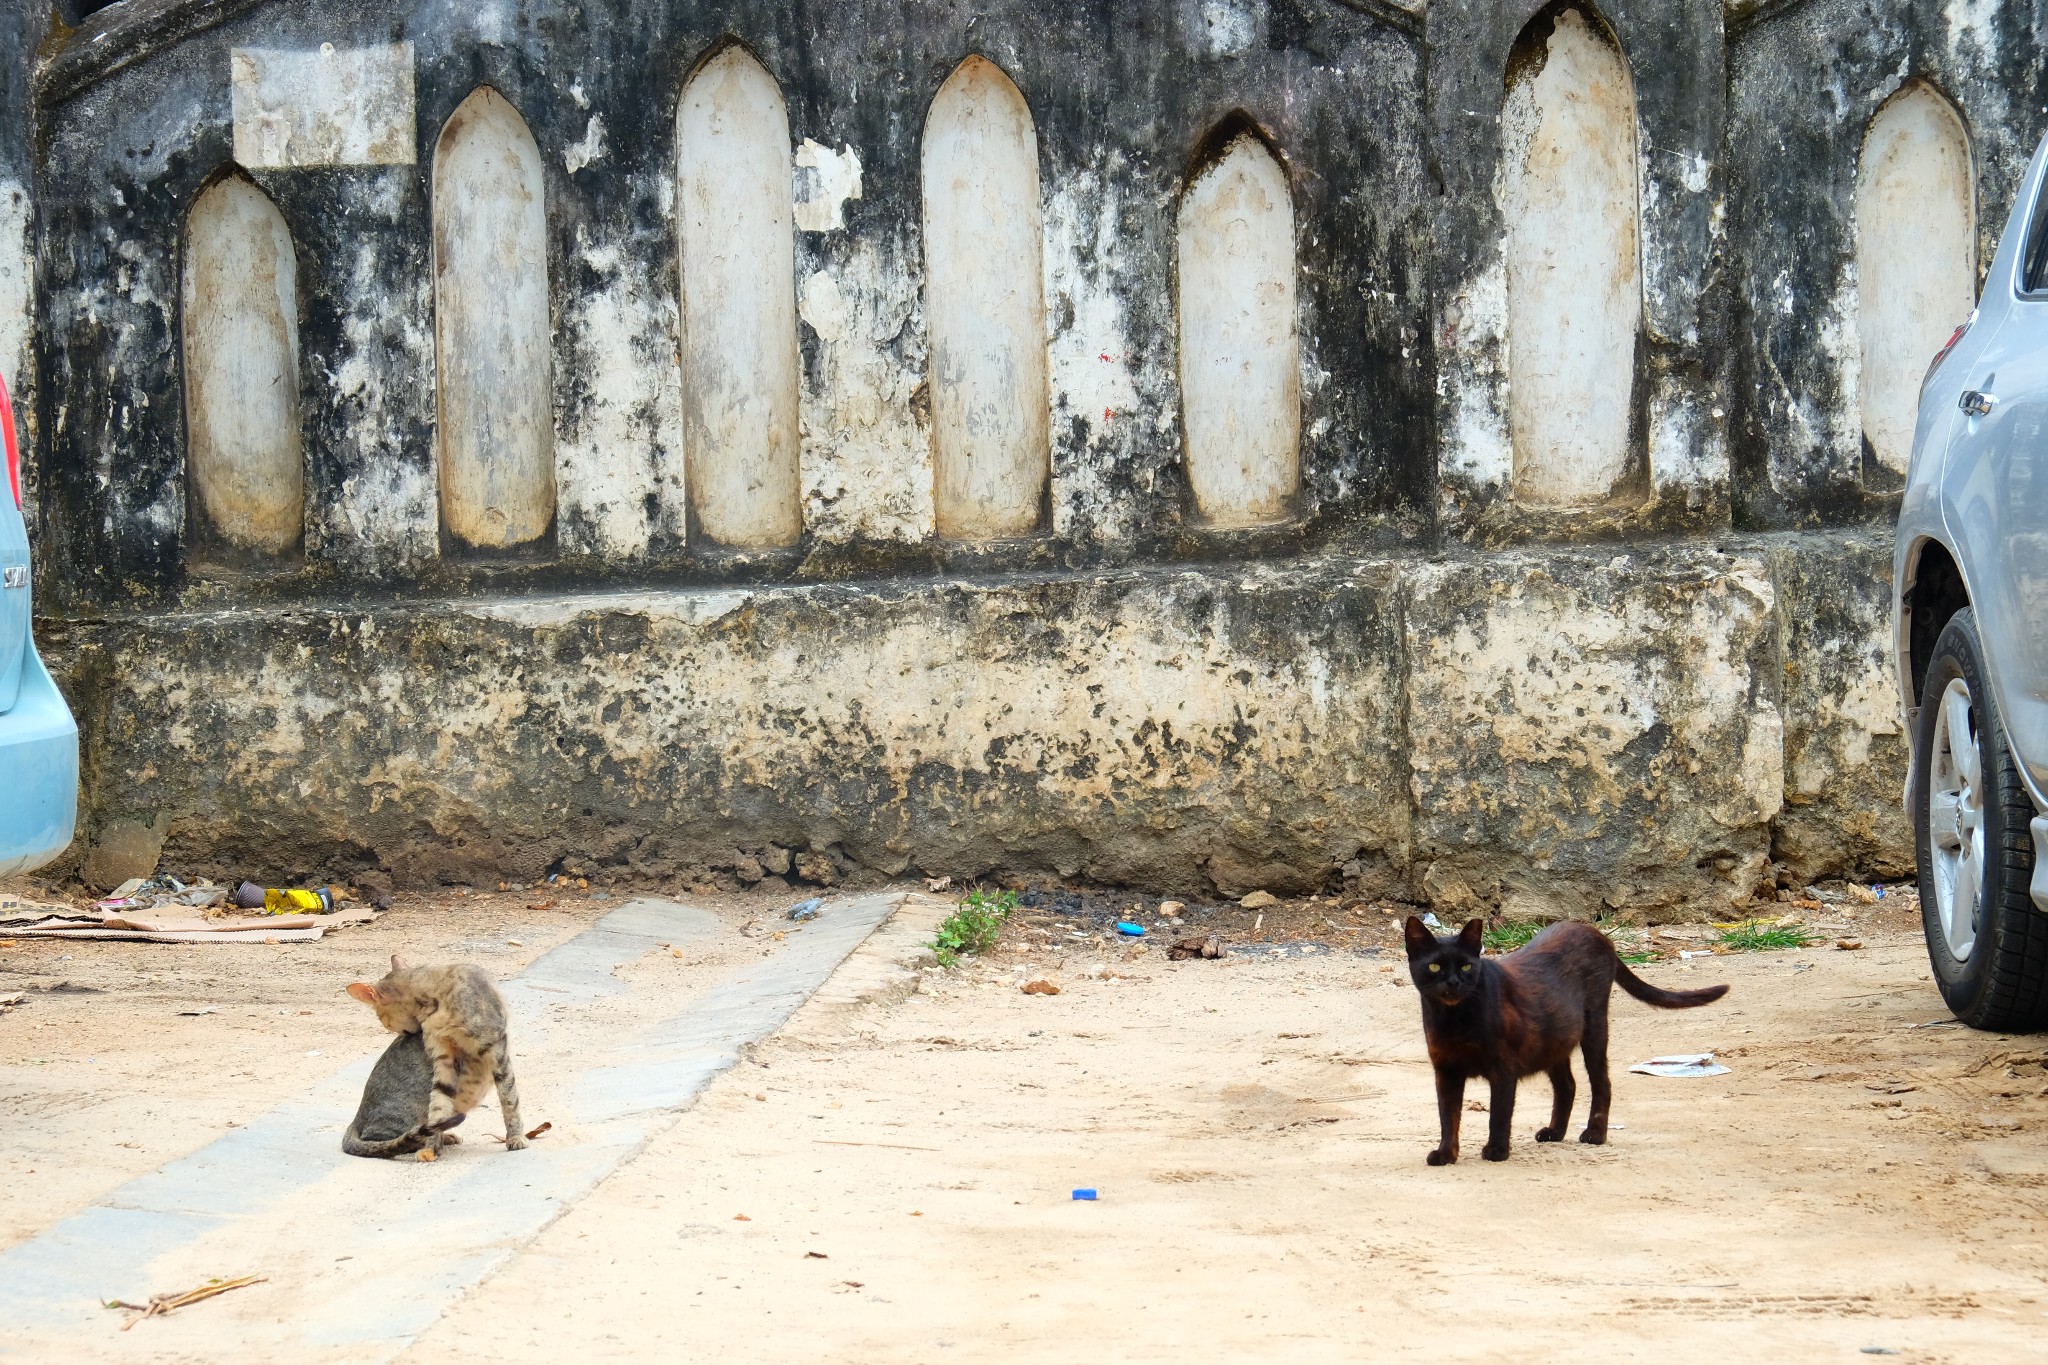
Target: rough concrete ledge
(1550, 730)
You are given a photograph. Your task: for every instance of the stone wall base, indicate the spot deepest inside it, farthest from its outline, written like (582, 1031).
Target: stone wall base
(1635, 729)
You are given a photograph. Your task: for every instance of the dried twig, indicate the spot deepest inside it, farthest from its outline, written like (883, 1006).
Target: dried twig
(163, 1303)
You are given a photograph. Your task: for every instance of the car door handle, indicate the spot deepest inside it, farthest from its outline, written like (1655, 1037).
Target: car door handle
(1977, 403)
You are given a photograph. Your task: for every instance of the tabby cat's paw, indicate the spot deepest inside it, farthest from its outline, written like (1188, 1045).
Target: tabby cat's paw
(1442, 1157)
(516, 1143)
(1493, 1153)
(1550, 1135)
(1596, 1136)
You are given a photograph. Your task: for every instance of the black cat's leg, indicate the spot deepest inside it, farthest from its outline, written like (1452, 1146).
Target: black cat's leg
(1595, 1047)
(1499, 1119)
(1562, 1091)
(1450, 1108)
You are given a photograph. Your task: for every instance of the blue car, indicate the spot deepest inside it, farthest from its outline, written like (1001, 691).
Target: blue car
(38, 738)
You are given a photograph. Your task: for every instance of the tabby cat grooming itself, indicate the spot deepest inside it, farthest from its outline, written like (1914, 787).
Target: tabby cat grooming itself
(461, 1021)
(1508, 1017)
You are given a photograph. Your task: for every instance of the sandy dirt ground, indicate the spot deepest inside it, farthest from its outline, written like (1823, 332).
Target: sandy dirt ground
(109, 1067)
(892, 1181)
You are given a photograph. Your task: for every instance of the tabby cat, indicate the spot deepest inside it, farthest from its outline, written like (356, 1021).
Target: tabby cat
(1508, 1017)
(460, 1018)
(394, 1107)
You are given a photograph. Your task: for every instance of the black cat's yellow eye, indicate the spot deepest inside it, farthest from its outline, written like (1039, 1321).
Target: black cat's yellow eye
(1435, 967)
(1466, 968)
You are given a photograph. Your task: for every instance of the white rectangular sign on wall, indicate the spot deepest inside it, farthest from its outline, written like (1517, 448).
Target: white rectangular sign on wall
(330, 106)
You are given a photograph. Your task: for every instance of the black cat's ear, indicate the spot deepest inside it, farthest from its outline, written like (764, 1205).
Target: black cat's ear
(1419, 939)
(1469, 936)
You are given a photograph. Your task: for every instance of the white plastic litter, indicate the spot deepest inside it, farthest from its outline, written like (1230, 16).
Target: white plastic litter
(1682, 1064)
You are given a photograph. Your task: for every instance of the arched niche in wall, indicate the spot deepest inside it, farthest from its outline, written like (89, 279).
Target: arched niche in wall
(1916, 274)
(734, 187)
(985, 306)
(1240, 373)
(240, 310)
(491, 330)
(1569, 203)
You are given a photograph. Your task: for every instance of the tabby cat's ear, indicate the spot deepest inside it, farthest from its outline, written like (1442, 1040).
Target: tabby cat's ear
(1469, 936)
(364, 992)
(1420, 940)
(396, 965)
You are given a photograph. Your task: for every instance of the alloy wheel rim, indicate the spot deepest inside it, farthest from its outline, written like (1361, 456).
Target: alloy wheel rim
(1955, 819)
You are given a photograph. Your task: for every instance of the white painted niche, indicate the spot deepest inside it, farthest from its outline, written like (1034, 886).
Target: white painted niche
(985, 306)
(491, 329)
(1240, 373)
(734, 189)
(241, 343)
(1916, 276)
(1567, 196)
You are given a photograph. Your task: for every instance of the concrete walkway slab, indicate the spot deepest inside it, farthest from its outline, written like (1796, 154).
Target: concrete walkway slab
(364, 1255)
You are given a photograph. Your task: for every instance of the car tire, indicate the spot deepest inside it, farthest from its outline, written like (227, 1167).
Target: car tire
(1986, 940)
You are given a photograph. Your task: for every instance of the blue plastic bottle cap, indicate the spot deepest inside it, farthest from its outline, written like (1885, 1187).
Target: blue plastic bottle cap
(1084, 1194)
(1124, 926)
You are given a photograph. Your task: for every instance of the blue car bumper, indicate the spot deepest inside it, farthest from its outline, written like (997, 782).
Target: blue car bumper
(38, 772)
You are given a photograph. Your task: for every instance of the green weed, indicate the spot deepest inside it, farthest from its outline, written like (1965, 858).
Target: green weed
(1504, 936)
(1752, 937)
(974, 927)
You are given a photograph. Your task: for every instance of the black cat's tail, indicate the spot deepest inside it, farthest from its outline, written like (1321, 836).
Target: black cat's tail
(1663, 999)
(397, 1146)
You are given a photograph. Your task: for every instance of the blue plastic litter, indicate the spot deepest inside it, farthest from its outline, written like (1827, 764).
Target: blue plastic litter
(805, 910)
(1088, 1195)
(1124, 926)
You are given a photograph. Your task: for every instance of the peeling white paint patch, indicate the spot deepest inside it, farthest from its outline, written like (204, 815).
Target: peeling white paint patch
(1240, 353)
(1916, 274)
(16, 318)
(1096, 377)
(493, 363)
(1567, 193)
(1477, 451)
(326, 107)
(1688, 447)
(867, 447)
(619, 466)
(985, 305)
(577, 155)
(1972, 20)
(825, 181)
(241, 337)
(386, 517)
(740, 366)
(1227, 28)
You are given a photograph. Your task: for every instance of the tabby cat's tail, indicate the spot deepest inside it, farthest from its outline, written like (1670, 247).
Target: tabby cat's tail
(398, 1146)
(1663, 999)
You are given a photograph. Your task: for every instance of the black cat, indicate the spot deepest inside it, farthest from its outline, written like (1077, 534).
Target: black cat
(1508, 1017)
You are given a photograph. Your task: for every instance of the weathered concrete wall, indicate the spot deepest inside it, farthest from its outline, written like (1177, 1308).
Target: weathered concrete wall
(1194, 442)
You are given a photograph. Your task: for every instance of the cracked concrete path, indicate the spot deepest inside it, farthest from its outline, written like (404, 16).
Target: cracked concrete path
(362, 1256)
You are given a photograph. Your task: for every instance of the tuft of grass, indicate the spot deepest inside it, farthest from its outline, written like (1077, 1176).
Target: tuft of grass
(1752, 936)
(1504, 936)
(974, 927)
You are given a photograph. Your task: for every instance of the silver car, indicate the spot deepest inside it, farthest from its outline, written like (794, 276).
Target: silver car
(1971, 634)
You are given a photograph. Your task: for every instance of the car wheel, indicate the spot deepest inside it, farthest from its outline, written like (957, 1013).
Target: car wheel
(1988, 943)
